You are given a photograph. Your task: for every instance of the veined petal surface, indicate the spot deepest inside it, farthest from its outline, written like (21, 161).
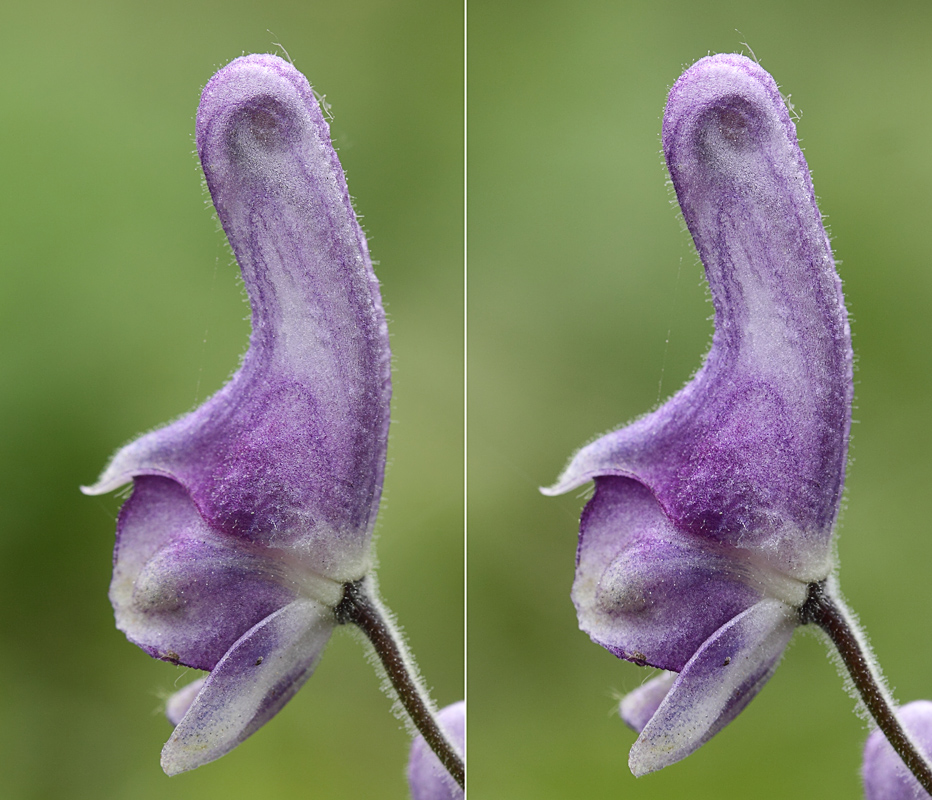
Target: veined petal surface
(291, 453)
(181, 591)
(646, 591)
(751, 453)
(250, 685)
(714, 687)
(714, 514)
(250, 514)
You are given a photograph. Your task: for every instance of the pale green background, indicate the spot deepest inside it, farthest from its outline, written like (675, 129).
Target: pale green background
(120, 309)
(587, 307)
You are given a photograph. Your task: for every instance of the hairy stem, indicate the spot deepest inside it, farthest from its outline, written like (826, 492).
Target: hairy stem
(364, 611)
(831, 616)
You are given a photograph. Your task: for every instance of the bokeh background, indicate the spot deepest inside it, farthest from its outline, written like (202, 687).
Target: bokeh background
(120, 308)
(587, 307)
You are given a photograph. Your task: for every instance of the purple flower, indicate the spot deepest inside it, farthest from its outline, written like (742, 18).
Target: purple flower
(885, 775)
(250, 514)
(426, 775)
(713, 514)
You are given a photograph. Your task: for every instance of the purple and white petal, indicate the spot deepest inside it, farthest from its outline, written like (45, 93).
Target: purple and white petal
(426, 775)
(637, 707)
(252, 682)
(291, 453)
(714, 514)
(751, 453)
(885, 775)
(178, 704)
(644, 590)
(250, 514)
(181, 591)
(718, 682)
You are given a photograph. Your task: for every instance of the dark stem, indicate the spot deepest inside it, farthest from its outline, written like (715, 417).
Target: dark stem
(822, 610)
(364, 612)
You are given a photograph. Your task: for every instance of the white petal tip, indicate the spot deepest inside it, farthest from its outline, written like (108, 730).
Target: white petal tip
(106, 484)
(171, 767)
(644, 760)
(179, 756)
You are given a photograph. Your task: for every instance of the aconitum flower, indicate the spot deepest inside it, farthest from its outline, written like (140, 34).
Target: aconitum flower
(712, 517)
(427, 777)
(885, 775)
(251, 515)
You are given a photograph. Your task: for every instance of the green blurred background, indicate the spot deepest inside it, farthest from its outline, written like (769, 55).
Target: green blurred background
(587, 307)
(120, 308)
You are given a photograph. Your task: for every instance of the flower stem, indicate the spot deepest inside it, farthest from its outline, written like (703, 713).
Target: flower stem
(832, 617)
(365, 611)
